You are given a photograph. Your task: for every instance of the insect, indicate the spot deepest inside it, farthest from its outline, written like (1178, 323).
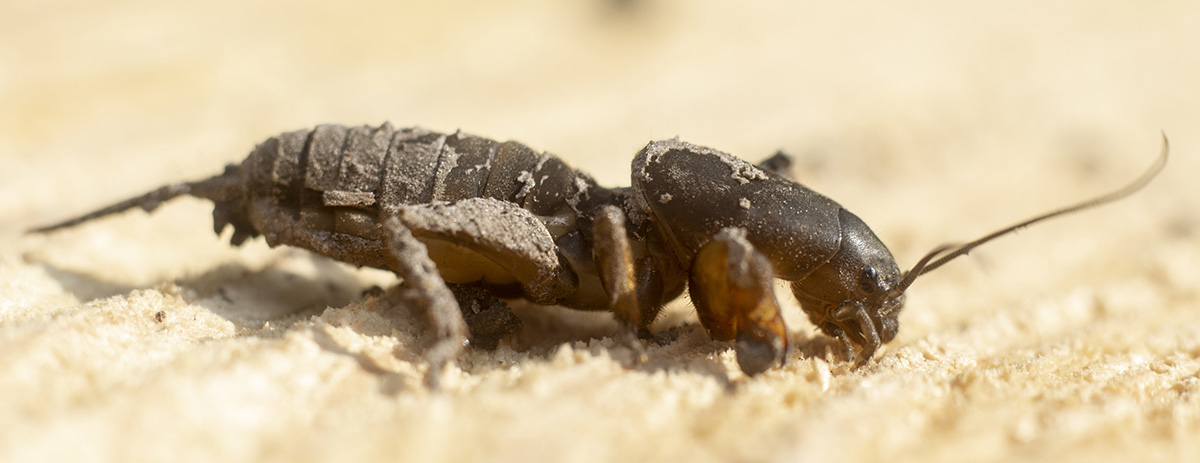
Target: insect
(466, 222)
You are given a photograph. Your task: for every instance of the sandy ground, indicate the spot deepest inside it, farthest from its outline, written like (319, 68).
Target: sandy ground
(145, 337)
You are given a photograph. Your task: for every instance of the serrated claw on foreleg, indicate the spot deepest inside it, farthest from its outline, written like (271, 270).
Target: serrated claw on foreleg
(732, 287)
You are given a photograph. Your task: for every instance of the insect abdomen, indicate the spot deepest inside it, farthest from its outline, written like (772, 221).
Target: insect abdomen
(340, 180)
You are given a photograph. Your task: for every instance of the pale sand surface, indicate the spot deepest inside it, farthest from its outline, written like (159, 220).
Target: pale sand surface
(145, 337)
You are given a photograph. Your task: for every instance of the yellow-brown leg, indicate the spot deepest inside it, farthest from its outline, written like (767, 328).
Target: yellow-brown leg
(614, 258)
(731, 286)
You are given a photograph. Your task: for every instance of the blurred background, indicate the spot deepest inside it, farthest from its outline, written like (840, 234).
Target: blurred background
(881, 94)
(933, 120)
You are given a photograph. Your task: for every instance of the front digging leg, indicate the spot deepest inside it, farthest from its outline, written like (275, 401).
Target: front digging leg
(731, 286)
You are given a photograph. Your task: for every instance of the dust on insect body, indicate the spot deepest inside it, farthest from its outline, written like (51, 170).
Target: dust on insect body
(467, 221)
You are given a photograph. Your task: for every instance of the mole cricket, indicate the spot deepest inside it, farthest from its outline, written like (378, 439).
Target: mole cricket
(466, 221)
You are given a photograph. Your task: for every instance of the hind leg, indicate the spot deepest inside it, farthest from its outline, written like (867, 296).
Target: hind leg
(478, 239)
(421, 286)
(509, 243)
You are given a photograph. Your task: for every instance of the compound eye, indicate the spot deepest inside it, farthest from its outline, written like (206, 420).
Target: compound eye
(869, 280)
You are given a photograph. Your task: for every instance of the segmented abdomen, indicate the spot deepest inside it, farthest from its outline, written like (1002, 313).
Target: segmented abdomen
(338, 183)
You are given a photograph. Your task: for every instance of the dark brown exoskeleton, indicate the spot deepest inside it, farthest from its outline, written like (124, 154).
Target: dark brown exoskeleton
(454, 214)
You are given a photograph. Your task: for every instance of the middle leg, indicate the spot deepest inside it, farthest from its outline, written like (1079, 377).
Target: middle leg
(634, 284)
